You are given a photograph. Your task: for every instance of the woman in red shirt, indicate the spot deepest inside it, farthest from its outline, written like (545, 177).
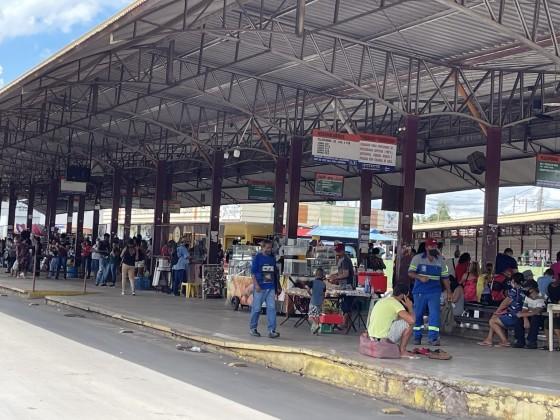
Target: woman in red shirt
(86, 257)
(462, 267)
(469, 281)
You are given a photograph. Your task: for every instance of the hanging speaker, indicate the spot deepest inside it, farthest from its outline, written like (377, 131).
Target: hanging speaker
(477, 163)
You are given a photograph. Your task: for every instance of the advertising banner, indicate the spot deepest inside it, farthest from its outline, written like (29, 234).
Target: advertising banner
(367, 151)
(548, 171)
(328, 185)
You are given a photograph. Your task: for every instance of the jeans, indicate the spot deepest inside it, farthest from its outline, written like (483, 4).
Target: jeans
(87, 266)
(178, 278)
(111, 276)
(535, 323)
(103, 272)
(268, 296)
(62, 263)
(432, 302)
(53, 266)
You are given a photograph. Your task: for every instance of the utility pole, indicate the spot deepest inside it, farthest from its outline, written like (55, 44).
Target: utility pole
(540, 199)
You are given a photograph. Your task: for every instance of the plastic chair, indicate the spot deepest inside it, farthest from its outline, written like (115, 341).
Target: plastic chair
(191, 289)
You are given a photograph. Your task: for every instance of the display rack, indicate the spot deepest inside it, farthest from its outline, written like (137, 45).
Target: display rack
(213, 281)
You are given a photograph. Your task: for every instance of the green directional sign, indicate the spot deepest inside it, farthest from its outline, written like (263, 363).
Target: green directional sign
(328, 185)
(260, 192)
(548, 171)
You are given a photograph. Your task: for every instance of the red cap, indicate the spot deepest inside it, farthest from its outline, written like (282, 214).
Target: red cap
(430, 242)
(339, 247)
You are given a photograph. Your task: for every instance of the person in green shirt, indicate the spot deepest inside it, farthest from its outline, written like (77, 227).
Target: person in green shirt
(392, 318)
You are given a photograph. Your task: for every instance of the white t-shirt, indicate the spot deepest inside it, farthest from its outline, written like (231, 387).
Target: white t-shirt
(534, 304)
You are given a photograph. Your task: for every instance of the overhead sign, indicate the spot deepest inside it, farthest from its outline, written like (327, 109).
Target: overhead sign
(328, 185)
(260, 191)
(368, 151)
(548, 171)
(72, 186)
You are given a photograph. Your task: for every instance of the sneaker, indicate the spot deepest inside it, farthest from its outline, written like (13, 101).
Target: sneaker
(417, 341)
(133, 293)
(112, 285)
(104, 285)
(435, 343)
(122, 293)
(517, 345)
(254, 333)
(273, 334)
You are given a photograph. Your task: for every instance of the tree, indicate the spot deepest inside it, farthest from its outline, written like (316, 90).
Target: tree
(441, 214)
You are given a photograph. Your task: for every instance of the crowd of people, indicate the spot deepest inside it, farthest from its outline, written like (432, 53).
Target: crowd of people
(436, 283)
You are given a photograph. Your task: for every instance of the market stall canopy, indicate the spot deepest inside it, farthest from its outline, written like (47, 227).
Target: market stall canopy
(178, 81)
(347, 232)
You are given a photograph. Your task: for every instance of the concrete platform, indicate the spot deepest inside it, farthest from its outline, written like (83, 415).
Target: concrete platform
(492, 382)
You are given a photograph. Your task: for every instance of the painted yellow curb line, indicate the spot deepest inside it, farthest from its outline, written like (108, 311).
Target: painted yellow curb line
(414, 390)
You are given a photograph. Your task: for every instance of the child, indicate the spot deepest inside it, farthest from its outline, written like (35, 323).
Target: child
(530, 317)
(317, 290)
(505, 316)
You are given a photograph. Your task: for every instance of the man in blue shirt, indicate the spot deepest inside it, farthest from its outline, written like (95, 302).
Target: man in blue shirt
(265, 285)
(180, 268)
(505, 263)
(544, 281)
(428, 270)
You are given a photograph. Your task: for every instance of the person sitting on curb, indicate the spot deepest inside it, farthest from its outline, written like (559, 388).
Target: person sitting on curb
(505, 316)
(530, 317)
(392, 319)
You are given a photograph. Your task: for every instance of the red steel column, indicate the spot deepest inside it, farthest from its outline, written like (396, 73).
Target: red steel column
(217, 175)
(30, 203)
(161, 173)
(128, 209)
(408, 179)
(365, 212)
(279, 195)
(80, 224)
(116, 203)
(491, 192)
(294, 179)
(96, 208)
(69, 214)
(166, 219)
(12, 211)
(55, 187)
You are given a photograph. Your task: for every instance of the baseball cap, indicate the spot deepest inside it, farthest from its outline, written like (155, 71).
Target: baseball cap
(430, 242)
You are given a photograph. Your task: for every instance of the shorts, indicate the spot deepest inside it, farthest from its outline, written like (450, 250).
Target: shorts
(508, 320)
(315, 310)
(397, 330)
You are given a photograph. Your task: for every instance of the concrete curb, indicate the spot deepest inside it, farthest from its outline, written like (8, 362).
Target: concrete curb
(414, 390)
(38, 294)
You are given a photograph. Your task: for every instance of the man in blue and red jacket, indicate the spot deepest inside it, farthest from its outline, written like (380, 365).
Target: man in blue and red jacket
(429, 271)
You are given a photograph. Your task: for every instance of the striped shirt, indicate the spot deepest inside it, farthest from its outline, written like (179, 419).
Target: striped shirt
(436, 270)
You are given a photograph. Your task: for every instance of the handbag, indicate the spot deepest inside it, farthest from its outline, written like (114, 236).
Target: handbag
(447, 318)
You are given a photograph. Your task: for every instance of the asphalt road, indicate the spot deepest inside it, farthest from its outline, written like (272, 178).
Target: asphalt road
(59, 367)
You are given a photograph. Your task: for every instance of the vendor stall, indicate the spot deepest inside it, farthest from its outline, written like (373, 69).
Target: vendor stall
(239, 280)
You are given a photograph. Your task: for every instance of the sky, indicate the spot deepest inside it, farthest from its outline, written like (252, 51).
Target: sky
(32, 30)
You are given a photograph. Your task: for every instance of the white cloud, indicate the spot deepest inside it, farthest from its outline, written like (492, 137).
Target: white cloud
(30, 17)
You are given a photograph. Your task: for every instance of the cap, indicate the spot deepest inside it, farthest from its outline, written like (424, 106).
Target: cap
(430, 242)
(339, 247)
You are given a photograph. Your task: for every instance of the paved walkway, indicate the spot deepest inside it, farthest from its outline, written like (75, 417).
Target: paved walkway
(512, 368)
